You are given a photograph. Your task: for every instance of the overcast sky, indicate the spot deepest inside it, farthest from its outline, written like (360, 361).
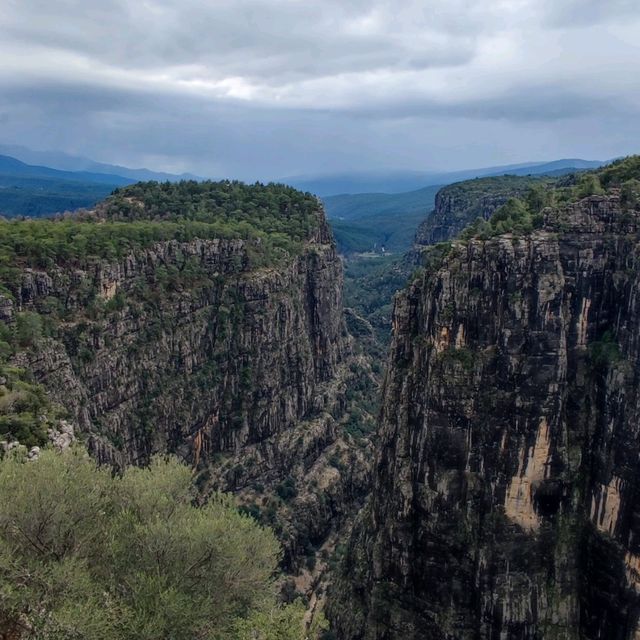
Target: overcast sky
(268, 88)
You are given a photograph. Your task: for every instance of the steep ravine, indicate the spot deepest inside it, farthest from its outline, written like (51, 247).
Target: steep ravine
(505, 496)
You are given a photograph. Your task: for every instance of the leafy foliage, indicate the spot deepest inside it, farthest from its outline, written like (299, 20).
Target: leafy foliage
(528, 196)
(273, 219)
(270, 208)
(278, 623)
(469, 198)
(24, 408)
(86, 554)
(28, 328)
(630, 193)
(620, 171)
(588, 185)
(512, 217)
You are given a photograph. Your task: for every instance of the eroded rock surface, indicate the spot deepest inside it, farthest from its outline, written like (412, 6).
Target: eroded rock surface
(505, 501)
(459, 204)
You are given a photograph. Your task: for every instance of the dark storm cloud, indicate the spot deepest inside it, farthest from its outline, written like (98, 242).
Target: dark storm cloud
(268, 87)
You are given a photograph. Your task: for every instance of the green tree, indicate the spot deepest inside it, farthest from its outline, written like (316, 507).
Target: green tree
(630, 193)
(538, 197)
(28, 328)
(589, 185)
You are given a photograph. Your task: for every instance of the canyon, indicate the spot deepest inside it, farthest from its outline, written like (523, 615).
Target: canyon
(205, 349)
(497, 497)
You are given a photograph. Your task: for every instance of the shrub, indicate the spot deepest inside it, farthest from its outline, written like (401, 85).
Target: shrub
(604, 352)
(28, 328)
(24, 408)
(589, 185)
(286, 490)
(86, 554)
(630, 193)
(620, 171)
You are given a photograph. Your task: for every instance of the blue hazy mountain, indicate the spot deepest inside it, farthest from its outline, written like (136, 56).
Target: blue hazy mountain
(33, 190)
(11, 167)
(41, 190)
(403, 181)
(372, 209)
(67, 162)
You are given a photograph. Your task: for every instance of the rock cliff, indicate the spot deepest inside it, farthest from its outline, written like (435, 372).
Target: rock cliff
(237, 361)
(459, 204)
(505, 497)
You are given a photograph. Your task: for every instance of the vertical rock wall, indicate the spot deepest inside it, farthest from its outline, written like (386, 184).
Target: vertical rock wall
(505, 501)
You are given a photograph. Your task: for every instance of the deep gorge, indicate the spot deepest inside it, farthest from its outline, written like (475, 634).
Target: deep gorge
(497, 496)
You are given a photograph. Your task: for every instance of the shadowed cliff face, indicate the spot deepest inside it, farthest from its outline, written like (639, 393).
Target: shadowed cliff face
(506, 500)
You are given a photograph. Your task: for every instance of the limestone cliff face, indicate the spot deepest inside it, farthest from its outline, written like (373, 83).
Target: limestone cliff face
(506, 498)
(459, 204)
(215, 367)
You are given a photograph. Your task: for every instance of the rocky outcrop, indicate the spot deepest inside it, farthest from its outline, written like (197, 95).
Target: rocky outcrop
(60, 437)
(228, 360)
(505, 498)
(459, 204)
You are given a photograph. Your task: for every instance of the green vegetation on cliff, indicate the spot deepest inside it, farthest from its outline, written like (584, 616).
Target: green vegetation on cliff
(273, 219)
(515, 216)
(71, 254)
(271, 208)
(523, 213)
(620, 171)
(86, 554)
(512, 380)
(25, 409)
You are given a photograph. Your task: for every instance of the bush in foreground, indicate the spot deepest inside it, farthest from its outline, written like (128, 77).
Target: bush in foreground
(89, 555)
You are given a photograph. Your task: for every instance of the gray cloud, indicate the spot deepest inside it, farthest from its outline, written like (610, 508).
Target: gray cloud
(267, 87)
(578, 13)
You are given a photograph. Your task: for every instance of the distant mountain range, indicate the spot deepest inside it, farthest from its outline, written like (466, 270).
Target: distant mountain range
(365, 222)
(38, 190)
(403, 181)
(31, 190)
(13, 168)
(68, 162)
(368, 209)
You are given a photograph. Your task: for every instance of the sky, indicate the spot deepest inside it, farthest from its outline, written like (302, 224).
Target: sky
(261, 89)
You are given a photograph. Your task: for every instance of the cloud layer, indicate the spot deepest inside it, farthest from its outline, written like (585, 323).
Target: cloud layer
(260, 88)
